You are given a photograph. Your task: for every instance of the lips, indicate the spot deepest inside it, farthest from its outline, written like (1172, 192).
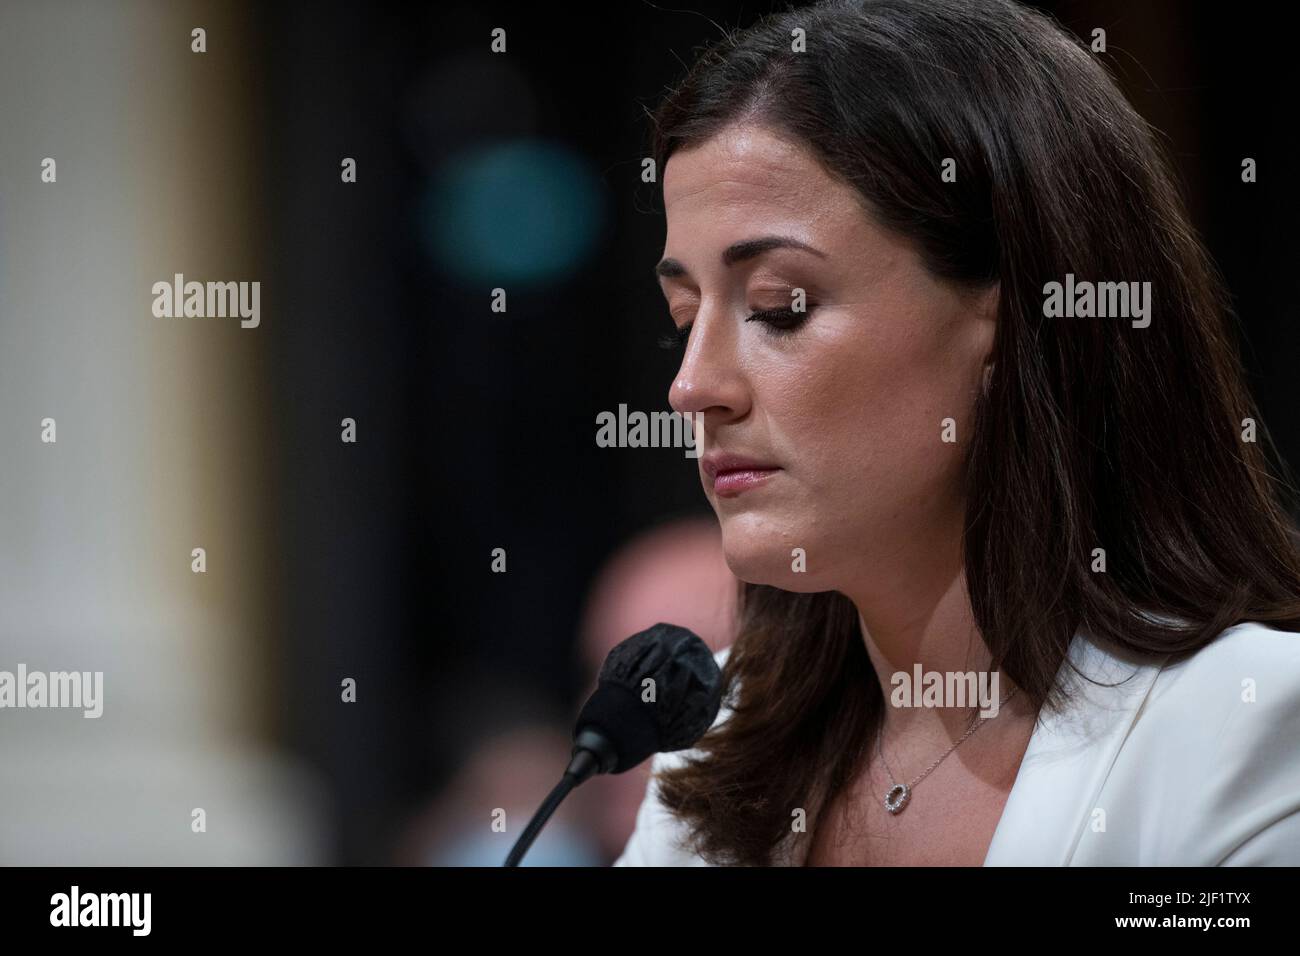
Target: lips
(730, 474)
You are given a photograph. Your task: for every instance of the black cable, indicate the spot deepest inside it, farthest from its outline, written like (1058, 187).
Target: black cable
(567, 783)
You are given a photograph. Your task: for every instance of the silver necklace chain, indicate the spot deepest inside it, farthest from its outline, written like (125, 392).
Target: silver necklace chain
(900, 793)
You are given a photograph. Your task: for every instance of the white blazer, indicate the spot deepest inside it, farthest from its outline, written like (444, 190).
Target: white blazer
(1189, 764)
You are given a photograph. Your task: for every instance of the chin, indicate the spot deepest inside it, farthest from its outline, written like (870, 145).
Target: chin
(758, 551)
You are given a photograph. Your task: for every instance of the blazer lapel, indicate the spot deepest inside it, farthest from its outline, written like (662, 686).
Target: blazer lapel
(1067, 760)
(1068, 757)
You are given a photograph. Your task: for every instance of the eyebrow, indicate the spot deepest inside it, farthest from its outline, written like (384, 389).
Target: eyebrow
(738, 252)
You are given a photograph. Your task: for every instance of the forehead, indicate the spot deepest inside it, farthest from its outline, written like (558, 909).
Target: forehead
(744, 170)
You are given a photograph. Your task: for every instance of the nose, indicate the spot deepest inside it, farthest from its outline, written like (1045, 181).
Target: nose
(710, 380)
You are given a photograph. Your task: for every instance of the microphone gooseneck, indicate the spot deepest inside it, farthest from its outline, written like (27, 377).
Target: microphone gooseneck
(659, 690)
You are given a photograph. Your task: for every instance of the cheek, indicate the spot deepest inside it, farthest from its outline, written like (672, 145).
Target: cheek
(859, 412)
(854, 413)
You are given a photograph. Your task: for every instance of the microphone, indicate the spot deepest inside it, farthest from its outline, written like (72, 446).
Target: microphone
(659, 690)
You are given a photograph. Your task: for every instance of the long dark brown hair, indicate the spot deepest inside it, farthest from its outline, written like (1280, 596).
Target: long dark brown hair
(1092, 433)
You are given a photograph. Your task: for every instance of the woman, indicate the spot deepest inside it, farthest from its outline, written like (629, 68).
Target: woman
(924, 462)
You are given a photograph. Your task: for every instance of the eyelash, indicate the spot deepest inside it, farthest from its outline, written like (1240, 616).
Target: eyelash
(778, 322)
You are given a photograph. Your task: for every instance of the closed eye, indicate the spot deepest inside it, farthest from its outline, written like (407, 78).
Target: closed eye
(676, 339)
(778, 322)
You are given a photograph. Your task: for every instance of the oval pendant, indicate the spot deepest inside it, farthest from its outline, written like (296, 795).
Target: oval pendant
(897, 798)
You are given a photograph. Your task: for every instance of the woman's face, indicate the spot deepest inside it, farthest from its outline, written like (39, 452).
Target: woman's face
(848, 405)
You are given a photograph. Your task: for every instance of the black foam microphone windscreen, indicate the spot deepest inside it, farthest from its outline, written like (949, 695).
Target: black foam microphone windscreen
(659, 690)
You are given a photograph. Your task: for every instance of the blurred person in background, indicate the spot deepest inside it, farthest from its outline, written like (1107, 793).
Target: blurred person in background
(518, 751)
(674, 573)
(677, 574)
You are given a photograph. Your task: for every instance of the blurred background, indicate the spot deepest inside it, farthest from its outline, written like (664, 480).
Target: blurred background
(372, 560)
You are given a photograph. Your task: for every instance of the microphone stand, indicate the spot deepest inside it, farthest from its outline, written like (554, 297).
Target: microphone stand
(591, 752)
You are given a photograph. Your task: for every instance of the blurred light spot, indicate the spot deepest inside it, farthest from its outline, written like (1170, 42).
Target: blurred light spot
(519, 212)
